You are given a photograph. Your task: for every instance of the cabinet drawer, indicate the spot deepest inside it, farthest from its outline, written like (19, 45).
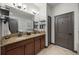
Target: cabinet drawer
(14, 45)
(17, 44)
(16, 51)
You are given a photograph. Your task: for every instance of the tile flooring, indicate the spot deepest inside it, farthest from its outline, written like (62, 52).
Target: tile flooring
(56, 50)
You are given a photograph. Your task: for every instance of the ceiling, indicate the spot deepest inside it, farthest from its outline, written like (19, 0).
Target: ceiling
(53, 4)
(32, 5)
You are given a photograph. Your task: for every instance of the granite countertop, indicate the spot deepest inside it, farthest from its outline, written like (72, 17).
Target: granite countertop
(17, 39)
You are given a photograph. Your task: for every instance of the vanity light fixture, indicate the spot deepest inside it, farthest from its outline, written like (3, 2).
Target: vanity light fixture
(20, 6)
(35, 12)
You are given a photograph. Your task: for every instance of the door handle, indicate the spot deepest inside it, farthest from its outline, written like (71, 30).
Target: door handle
(70, 33)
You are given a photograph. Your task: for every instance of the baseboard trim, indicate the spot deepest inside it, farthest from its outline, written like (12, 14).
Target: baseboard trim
(72, 50)
(46, 46)
(53, 43)
(75, 51)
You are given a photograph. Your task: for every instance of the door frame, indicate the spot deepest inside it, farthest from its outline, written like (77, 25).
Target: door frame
(55, 27)
(50, 29)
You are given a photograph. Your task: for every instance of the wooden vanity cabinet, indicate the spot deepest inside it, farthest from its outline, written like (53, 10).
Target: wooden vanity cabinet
(37, 45)
(29, 47)
(42, 40)
(15, 48)
(16, 51)
(26, 47)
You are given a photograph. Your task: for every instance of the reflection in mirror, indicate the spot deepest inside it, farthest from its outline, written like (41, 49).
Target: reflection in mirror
(13, 25)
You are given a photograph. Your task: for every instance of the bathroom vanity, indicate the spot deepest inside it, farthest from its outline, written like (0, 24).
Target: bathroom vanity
(24, 45)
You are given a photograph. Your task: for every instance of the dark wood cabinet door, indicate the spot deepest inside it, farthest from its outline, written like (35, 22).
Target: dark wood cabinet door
(16, 51)
(64, 27)
(42, 42)
(2, 50)
(37, 45)
(29, 48)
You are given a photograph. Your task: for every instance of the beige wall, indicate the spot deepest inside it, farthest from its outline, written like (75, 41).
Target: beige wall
(78, 29)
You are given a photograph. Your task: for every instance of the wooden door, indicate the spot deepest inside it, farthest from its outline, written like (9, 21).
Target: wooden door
(64, 30)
